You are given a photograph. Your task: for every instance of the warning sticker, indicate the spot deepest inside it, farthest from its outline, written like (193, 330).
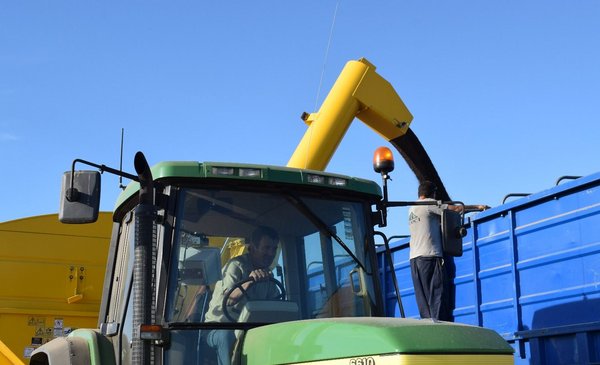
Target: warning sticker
(36, 321)
(27, 352)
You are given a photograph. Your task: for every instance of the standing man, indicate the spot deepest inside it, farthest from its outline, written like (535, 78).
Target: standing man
(426, 254)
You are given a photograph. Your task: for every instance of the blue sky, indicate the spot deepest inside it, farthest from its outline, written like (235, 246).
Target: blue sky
(505, 94)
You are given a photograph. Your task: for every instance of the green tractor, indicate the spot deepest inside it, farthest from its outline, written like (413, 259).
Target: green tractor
(178, 227)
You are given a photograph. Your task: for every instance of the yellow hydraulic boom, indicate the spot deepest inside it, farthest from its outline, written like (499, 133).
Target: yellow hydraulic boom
(360, 92)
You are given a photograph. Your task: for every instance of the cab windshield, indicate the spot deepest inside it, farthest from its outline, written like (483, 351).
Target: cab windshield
(318, 265)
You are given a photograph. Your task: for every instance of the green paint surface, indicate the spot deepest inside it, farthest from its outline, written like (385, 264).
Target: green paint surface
(165, 171)
(335, 338)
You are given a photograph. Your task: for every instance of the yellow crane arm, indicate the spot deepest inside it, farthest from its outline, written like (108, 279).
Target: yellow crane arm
(358, 92)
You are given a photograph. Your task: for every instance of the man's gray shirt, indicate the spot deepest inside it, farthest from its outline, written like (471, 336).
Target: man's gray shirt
(425, 232)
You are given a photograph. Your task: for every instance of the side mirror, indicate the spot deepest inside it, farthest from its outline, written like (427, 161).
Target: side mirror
(452, 232)
(80, 202)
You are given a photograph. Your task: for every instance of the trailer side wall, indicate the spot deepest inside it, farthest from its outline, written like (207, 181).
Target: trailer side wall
(530, 270)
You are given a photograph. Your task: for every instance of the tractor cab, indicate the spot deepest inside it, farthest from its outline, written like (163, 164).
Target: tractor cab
(323, 265)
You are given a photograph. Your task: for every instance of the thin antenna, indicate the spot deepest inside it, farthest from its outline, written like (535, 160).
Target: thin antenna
(121, 160)
(326, 54)
(337, 5)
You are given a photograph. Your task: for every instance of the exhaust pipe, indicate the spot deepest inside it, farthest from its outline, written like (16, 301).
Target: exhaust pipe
(145, 238)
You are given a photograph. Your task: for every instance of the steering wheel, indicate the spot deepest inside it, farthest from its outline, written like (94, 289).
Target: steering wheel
(239, 284)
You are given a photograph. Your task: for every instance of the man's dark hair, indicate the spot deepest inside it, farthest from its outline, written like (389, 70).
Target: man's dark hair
(427, 189)
(262, 231)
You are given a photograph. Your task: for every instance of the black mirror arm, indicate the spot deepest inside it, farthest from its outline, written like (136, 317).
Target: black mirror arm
(72, 194)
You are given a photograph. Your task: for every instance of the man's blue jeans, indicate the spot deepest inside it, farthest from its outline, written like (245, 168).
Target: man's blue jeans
(222, 342)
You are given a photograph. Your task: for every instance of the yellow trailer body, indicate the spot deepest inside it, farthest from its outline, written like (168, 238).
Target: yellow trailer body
(51, 282)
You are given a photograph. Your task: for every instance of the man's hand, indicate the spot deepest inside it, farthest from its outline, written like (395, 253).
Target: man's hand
(472, 208)
(260, 275)
(256, 276)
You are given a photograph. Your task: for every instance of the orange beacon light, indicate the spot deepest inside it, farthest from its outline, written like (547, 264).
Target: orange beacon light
(383, 160)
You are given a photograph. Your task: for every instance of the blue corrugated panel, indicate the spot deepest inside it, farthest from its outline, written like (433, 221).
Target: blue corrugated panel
(531, 271)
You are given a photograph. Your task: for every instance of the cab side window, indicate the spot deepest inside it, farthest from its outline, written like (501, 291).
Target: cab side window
(121, 288)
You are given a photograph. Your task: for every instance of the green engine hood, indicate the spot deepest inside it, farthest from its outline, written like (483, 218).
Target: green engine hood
(334, 338)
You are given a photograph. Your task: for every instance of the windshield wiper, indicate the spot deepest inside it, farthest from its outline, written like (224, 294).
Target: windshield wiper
(323, 228)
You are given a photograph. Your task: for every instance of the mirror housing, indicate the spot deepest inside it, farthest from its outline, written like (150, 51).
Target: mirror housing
(453, 232)
(80, 202)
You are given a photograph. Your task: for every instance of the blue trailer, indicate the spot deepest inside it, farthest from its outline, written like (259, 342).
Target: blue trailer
(530, 270)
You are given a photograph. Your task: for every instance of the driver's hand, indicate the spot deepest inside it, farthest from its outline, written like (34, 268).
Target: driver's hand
(260, 275)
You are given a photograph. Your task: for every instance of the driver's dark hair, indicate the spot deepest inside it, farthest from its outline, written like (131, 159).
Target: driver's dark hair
(427, 189)
(262, 231)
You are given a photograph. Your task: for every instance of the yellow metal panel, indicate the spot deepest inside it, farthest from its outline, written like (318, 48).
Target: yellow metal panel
(382, 109)
(56, 276)
(7, 357)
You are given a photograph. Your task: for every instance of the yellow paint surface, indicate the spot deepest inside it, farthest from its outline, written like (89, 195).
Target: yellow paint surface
(44, 265)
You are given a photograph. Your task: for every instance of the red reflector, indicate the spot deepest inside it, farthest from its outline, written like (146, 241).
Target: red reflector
(150, 328)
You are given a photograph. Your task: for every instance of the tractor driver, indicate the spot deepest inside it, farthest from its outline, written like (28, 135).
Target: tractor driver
(255, 265)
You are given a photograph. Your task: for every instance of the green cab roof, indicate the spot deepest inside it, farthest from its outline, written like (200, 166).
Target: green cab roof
(250, 172)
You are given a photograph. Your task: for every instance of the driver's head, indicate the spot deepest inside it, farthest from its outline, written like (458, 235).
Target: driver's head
(263, 247)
